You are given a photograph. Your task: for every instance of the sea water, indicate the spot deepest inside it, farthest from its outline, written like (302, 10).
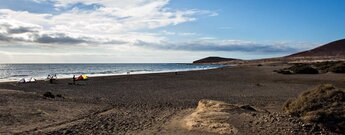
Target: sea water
(14, 72)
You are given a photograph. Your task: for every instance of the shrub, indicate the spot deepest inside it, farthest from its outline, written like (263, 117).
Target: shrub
(324, 105)
(338, 68)
(298, 69)
(283, 71)
(315, 68)
(59, 96)
(303, 69)
(324, 66)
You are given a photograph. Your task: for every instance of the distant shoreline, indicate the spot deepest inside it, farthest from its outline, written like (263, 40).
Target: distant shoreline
(120, 74)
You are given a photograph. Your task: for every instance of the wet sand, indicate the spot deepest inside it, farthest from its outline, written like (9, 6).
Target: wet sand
(149, 103)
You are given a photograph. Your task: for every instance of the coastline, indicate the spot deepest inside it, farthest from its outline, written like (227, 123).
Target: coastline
(125, 74)
(147, 103)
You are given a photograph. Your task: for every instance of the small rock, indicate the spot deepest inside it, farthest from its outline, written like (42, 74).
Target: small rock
(48, 95)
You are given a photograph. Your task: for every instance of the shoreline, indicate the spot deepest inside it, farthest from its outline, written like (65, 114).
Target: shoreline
(122, 74)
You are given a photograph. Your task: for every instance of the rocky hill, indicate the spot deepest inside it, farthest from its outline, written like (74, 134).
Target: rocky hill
(214, 60)
(333, 49)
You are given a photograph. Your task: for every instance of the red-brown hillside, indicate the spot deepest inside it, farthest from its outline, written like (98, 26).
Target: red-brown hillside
(333, 49)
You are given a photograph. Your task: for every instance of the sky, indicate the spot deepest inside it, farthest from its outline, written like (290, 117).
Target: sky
(163, 31)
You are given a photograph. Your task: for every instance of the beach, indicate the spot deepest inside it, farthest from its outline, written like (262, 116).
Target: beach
(151, 103)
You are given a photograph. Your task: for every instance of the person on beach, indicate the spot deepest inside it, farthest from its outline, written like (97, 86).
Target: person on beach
(74, 79)
(51, 78)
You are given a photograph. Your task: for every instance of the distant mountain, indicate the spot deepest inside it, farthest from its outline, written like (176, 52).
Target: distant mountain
(333, 49)
(214, 60)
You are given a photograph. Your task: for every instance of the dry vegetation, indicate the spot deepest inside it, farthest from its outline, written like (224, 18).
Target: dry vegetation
(324, 105)
(299, 69)
(314, 68)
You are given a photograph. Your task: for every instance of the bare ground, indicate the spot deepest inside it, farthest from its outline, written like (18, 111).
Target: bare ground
(154, 103)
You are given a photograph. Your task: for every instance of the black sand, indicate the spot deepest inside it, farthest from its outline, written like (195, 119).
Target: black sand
(146, 104)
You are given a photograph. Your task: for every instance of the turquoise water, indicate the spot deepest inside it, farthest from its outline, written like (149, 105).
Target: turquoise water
(14, 72)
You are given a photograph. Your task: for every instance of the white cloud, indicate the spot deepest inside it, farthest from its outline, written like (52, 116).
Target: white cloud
(188, 34)
(114, 20)
(14, 31)
(125, 55)
(165, 32)
(114, 29)
(217, 45)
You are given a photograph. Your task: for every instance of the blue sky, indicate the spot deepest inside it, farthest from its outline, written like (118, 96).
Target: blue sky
(278, 20)
(117, 31)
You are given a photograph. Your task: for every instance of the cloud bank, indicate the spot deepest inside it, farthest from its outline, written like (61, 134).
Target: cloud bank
(112, 21)
(119, 23)
(223, 45)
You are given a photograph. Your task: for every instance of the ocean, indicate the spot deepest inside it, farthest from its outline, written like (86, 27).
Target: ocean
(14, 72)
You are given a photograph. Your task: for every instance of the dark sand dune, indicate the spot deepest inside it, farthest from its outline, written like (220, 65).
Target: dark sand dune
(152, 103)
